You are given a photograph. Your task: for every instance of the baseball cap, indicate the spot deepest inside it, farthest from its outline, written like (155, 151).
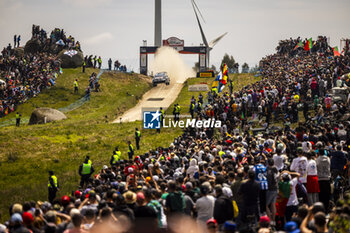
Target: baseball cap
(230, 226)
(77, 193)
(105, 167)
(65, 199)
(280, 146)
(188, 185)
(291, 227)
(212, 220)
(264, 219)
(46, 205)
(27, 217)
(155, 178)
(16, 217)
(140, 196)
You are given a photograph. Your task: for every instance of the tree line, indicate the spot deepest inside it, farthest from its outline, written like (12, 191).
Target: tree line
(232, 65)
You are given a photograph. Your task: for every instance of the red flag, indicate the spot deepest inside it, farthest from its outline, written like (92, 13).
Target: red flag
(306, 46)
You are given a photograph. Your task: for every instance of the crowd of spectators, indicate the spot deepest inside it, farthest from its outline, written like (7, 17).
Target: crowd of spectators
(290, 46)
(24, 77)
(57, 36)
(292, 178)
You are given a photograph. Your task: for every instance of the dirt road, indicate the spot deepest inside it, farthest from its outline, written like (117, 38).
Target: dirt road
(160, 96)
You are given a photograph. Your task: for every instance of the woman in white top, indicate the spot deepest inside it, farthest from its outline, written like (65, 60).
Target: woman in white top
(312, 185)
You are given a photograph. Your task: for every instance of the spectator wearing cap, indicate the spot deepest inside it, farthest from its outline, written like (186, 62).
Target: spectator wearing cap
(16, 224)
(77, 194)
(291, 227)
(65, 200)
(212, 225)
(145, 216)
(229, 227)
(190, 205)
(223, 207)
(205, 204)
(130, 199)
(175, 201)
(28, 220)
(264, 224)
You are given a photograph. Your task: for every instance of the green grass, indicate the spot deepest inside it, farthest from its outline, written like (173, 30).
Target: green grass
(242, 80)
(185, 96)
(57, 96)
(29, 151)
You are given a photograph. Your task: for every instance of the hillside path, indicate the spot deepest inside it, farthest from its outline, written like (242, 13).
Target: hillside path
(159, 96)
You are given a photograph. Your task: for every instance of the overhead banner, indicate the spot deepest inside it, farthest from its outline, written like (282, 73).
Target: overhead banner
(175, 43)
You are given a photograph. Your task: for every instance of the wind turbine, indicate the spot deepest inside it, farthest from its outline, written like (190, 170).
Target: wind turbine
(212, 43)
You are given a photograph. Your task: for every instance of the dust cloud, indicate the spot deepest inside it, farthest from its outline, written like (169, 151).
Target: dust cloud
(169, 60)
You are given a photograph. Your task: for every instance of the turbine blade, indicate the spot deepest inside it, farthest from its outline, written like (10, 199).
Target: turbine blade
(200, 13)
(200, 26)
(215, 41)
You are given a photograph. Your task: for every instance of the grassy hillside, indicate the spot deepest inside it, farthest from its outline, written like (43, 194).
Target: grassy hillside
(58, 96)
(28, 152)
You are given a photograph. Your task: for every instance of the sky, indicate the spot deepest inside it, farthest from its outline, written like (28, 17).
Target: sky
(116, 28)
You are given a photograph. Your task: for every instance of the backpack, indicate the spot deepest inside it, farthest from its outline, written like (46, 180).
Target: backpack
(177, 202)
